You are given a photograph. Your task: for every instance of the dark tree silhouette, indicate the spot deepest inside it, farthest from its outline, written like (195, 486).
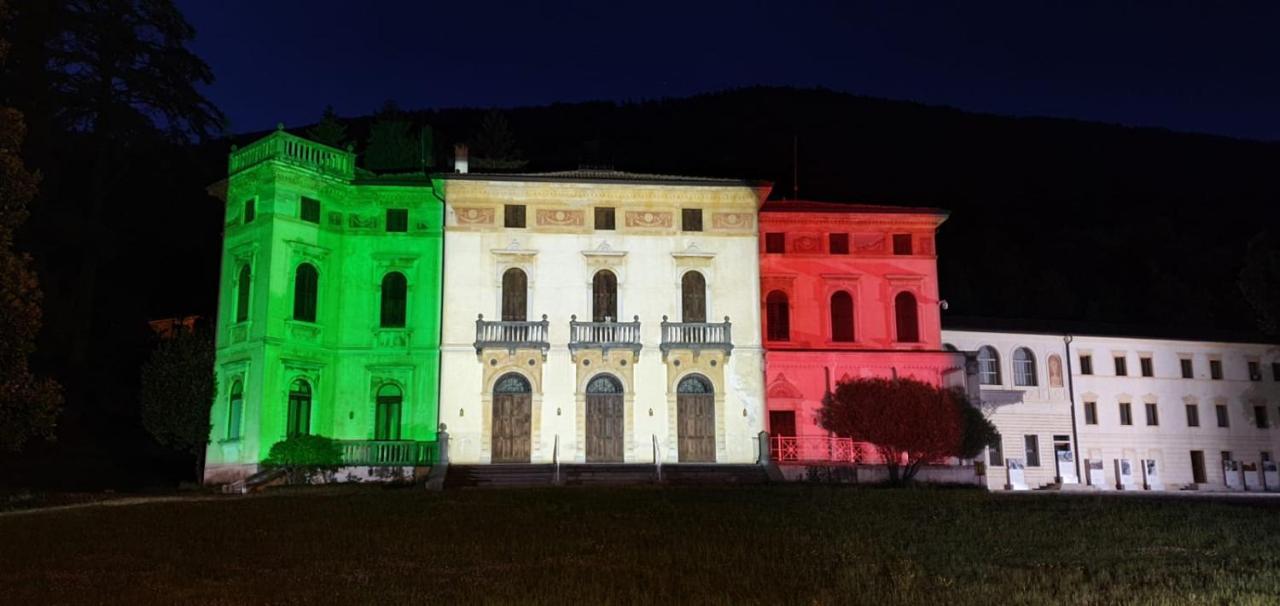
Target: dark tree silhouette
(392, 144)
(1260, 282)
(330, 131)
(178, 387)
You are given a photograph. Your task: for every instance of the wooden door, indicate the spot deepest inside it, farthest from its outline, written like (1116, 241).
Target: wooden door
(696, 425)
(512, 421)
(604, 428)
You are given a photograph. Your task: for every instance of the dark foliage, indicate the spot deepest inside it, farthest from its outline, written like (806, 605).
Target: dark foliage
(178, 388)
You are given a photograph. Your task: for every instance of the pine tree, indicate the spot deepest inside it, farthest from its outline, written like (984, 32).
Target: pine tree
(494, 145)
(330, 131)
(392, 147)
(178, 387)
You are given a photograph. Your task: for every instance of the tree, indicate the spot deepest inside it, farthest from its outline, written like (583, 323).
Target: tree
(1259, 282)
(392, 144)
(28, 404)
(494, 145)
(909, 422)
(301, 456)
(977, 432)
(178, 388)
(330, 131)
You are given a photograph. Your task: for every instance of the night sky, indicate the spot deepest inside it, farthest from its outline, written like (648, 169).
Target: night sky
(1198, 69)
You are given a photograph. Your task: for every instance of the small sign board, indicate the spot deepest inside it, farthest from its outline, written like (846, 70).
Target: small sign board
(1066, 465)
(1270, 476)
(1095, 473)
(1231, 475)
(1252, 476)
(1151, 475)
(1015, 474)
(1124, 474)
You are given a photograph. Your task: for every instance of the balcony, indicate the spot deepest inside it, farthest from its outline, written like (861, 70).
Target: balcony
(696, 336)
(289, 149)
(401, 453)
(511, 335)
(604, 335)
(821, 449)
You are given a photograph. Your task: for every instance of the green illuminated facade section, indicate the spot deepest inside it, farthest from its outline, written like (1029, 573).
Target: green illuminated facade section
(329, 308)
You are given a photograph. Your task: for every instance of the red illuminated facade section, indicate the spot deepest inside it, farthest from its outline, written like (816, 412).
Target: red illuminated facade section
(849, 291)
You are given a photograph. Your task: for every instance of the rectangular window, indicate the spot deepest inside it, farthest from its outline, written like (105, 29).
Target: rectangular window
(1090, 413)
(1223, 419)
(604, 218)
(1255, 371)
(1126, 413)
(995, 452)
(513, 215)
(1187, 370)
(691, 219)
(775, 243)
(310, 210)
(901, 244)
(1260, 417)
(1153, 414)
(249, 211)
(397, 219)
(1147, 368)
(838, 244)
(1193, 415)
(1215, 370)
(1033, 451)
(1122, 366)
(1086, 364)
(1275, 371)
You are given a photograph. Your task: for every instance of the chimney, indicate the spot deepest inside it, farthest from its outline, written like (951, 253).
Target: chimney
(460, 158)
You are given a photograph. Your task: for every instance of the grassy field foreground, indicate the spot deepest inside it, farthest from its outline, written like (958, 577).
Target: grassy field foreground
(776, 544)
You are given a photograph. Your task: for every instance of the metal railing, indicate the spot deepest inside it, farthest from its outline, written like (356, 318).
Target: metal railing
(284, 147)
(388, 452)
(604, 335)
(821, 449)
(697, 335)
(512, 334)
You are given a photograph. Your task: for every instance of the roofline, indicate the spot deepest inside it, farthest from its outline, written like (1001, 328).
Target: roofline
(1204, 338)
(552, 178)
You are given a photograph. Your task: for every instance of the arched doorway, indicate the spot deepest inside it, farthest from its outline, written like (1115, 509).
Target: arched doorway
(512, 419)
(604, 297)
(605, 425)
(696, 420)
(515, 291)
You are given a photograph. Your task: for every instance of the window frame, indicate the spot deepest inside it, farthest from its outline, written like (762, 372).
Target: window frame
(1187, 367)
(1090, 412)
(843, 324)
(235, 411)
(1260, 418)
(1086, 364)
(1126, 413)
(1146, 366)
(1255, 370)
(307, 207)
(306, 296)
(777, 316)
(995, 452)
(1215, 370)
(401, 222)
(1031, 450)
(833, 238)
(1193, 415)
(1024, 369)
(514, 216)
(389, 314)
(901, 243)
(1152, 413)
(993, 368)
(604, 218)
(250, 211)
(1121, 365)
(1223, 414)
(912, 317)
(691, 219)
(775, 243)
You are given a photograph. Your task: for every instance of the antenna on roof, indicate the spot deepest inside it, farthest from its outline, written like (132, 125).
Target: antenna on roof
(795, 167)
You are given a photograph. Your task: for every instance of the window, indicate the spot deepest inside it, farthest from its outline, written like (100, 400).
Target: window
(1260, 417)
(988, 365)
(904, 307)
(1153, 414)
(1275, 371)
(513, 215)
(298, 422)
(901, 244)
(693, 298)
(604, 297)
(775, 243)
(1090, 413)
(995, 452)
(1126, 413)
(1255, 371)
(1187, 370)
(1144, 365)
(1223, 419)
(514, 290)
(1215, 370)
(243, 285)
(838, 244)
(1193, 415)
(1033, 451)
(1122, 366)
(1086, 364)
(842, 317)
(691, 219)
(778, 316)
(305, 282)
(249, 211)
(605, 218)
(394, 299)
(397, 220)
(389, 401)
(1024, 367)
(310, 210)
(235, 410)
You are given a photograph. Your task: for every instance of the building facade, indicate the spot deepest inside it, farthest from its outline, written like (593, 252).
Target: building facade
(329, 309)
(596, 316)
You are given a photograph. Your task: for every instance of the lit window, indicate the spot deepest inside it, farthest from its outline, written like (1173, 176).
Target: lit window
(988, 366)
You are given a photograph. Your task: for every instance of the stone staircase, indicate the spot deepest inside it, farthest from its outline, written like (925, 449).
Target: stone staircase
(521, 475)
(608, 474)
(499, 476)
(692, 473)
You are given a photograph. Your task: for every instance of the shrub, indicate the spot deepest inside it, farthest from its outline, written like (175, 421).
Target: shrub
(303, 455)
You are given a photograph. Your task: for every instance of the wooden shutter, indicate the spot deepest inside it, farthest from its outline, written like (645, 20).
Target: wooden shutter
(515, 287)
(693, 292)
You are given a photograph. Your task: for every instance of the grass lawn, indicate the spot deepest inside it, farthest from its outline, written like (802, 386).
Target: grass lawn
(588, 546)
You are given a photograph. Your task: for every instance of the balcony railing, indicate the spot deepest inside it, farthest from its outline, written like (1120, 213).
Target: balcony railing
(696, 335)
(604, 335)
(284, 147)
(512, 335)
(388, 452)
(799, 449)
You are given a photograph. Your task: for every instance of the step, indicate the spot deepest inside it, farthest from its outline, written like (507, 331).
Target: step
(693, 473)
(502, 475)
(594, 474)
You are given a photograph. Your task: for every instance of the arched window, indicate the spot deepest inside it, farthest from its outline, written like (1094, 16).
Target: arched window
(604, 297)
(695, 384)
(1024, 367)
(511, 382)
(387, 421)
(235, 410)
(842, 317)
(604, 384)
(243, 284)
(904, 307)
(693, 297)
(394, 287)
(515, 287)
(299, 420)
(988, 366)
(778, 316)
(305, 281)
